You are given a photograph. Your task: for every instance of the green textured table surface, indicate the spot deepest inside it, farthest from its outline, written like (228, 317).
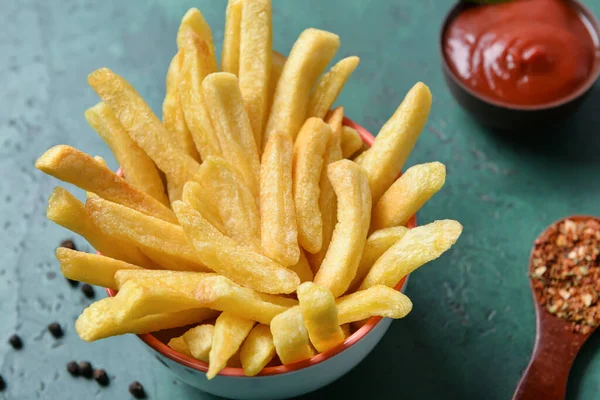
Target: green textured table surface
(471, 331)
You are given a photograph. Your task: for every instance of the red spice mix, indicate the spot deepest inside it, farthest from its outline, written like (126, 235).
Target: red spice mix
(565, 272)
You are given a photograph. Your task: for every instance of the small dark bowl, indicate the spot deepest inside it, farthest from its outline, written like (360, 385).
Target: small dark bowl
(505, 116)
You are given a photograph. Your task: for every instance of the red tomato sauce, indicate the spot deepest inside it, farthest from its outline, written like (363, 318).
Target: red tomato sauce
(525, 52)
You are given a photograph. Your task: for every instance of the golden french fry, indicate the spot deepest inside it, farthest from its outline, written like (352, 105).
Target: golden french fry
(327, 199)
(224, 104)
(148, 233)
(378, 300)
(196, 66)
(418, 246)
(194, 21)
(179, 345)
(320, 316)
(141, 171)
(65, 210)
(258, 350)
(302, 268)
(236, 262)
(181, 281)
(228, 335)
(309, 151)
(377, 244)
(143, 125)
(354, 216)
(230, 197)
(277, 62)
(230, 55)
(199, 341)
(137, 300)
(311, 53)
(80, 169)
(329, 87)
(90, 268)
(98, 321)
(279, 231)
(173, 117)
(290, 337)
(351, 141)
(219, 293)
(194, 195)
(396, 139)
(347, 329)
(256, 51)
(408, 194)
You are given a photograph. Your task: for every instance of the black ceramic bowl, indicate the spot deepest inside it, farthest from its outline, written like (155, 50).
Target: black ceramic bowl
(506, 116)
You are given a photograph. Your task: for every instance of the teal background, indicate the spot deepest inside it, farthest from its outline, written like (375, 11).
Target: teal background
(471, 331)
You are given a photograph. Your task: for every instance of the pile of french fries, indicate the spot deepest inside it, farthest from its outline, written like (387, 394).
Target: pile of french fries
(250, 211)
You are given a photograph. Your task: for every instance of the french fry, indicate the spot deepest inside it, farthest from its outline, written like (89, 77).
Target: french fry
(224, 104)
(329, 87)
(194, 196)
(256, 42)
(320, 316)
(219, 293)
(148, 233)
(231, 199)
(196, 66)
(351, 141)
(311, 53)
(302, 268)
(347, 329)
(80, 169)
(173, 117)
(226, 257)
(181, 281)
(277, 62)
(228, 335)
(408, 194)
(194, 21)
(199, 341)
(327, 199)
(90, 268)
(230, 55)
(354, 216)
(65, 210)
(396, 139)
(418, 246)
(179, 345)
(279, 231)
(137, 300)
(378, 300)
(377, 244)
(143, 125)
(141, 171)
(308, 159)
(98, 321)
(257, 350)
(290, 336)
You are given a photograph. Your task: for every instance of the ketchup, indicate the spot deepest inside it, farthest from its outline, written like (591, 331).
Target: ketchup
(524, 52)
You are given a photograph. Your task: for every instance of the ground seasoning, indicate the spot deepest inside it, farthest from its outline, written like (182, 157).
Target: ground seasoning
(565, 272)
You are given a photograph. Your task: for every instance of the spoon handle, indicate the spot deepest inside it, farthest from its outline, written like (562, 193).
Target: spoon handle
(555, 349)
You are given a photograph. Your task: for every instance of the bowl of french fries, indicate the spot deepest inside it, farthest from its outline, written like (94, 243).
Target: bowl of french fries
(255, 239)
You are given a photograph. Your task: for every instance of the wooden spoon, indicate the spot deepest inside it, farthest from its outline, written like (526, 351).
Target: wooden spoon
(556, 346)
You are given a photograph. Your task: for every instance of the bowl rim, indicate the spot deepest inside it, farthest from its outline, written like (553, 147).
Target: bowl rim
(190, 362)
(589, 19)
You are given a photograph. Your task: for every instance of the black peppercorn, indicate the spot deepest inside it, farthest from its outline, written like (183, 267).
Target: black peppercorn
(85, 369)
(69, 244)
(137, 390)
(56, 330)
(16, 342)
(88, 291)
(101, 377)
(73, 368)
